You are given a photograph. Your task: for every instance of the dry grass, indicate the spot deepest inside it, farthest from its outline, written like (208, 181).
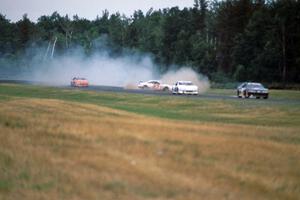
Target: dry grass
(53, 149)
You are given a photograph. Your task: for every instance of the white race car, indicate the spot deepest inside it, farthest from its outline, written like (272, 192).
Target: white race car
(154, 85)
(184, 87)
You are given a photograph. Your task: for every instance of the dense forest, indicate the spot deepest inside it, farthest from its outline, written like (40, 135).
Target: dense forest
(229, 40)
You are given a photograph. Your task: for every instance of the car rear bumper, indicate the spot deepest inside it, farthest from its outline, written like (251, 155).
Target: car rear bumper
(79, 85)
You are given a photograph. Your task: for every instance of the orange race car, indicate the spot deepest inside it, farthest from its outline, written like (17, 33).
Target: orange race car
(79, 82)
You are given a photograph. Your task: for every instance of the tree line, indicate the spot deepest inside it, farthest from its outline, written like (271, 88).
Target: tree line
(234, 40)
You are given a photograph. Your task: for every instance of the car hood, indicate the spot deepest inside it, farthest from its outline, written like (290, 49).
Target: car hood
(259, 89)
(141, 83)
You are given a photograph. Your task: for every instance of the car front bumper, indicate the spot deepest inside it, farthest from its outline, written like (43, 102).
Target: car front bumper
(187, 92)
(258, 94)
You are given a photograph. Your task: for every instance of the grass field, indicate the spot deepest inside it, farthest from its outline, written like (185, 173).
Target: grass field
(274, 94)
(71, 144)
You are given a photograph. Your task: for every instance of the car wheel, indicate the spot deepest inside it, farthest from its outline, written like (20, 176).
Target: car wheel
(257, 97)
(265, 97)
(166, 89)
(238, 94)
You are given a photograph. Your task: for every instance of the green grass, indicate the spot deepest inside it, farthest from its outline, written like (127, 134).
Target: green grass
(286, 94)
(258, 112)
(274, 94)
(175, 148)
(5, 185)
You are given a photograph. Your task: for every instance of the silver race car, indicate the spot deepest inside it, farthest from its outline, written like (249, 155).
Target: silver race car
(249, 89)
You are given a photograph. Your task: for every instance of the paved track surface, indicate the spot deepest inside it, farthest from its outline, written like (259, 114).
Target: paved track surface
(200, 96)
(157, 93)
(151, 92)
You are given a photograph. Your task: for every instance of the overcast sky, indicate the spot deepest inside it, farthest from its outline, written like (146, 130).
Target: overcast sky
(89, 9)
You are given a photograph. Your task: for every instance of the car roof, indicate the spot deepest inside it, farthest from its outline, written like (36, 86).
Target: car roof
(153, 80)
(253, 83)
(250, 83)
(184, 81)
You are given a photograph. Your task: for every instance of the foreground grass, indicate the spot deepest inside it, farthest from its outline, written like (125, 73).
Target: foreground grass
(61, 144)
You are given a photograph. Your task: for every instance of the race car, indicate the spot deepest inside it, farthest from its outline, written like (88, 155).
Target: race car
(249, 89)
(79, 82)
(154, 85)
(184, 87)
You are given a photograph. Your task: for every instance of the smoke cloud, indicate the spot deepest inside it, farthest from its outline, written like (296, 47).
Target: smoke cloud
(100, 69)
(187, 74)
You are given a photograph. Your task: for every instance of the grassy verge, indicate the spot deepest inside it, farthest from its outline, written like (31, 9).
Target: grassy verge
(274, 94)
(192, 109)
(69, 144)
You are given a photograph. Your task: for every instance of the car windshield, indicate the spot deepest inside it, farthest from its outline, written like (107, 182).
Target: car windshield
(255, 85)
(154, 82)
(185, 83)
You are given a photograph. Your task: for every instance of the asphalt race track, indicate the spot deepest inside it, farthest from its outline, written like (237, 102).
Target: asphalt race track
(153, 92)
(150, 92)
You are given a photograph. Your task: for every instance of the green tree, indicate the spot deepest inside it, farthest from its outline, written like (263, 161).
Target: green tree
(286, 15)
(7, 37)
(26, 31)
(232, 18)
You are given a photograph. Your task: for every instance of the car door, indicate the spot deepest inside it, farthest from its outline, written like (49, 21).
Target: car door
(242, 87)
(151, 84)
(176, 87)
(156, 85)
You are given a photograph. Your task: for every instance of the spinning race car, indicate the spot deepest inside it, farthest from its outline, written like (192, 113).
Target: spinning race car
(184, 87)
(154, 85)
(79, 82)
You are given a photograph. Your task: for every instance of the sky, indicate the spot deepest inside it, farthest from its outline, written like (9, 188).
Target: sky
(89, 9)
